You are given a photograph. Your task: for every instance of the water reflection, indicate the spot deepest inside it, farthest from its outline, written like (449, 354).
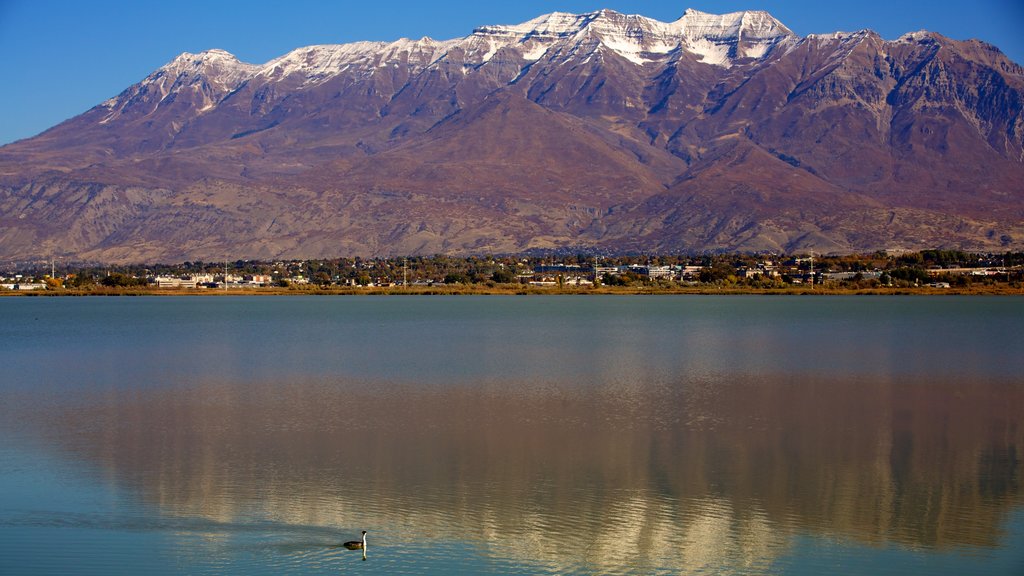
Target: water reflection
(685, 475)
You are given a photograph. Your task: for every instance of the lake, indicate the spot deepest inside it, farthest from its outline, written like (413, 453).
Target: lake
(512, 435)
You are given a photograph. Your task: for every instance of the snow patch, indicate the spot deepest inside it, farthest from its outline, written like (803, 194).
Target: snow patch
(915, 36)
(535, 53)
(710, 52)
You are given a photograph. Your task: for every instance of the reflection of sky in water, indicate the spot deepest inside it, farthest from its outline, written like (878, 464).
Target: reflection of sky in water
(538, 435)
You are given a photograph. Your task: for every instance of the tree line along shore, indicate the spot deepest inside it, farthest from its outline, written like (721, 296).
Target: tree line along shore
(928, 272)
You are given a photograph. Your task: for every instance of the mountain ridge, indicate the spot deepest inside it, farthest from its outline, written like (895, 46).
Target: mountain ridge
(618, 132)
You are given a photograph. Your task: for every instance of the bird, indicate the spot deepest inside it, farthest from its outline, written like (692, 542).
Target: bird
(356, 544)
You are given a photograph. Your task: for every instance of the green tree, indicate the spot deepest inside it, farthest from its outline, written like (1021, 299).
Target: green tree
(118, 280)
(81, 280)
(503, 276)
(717, 271)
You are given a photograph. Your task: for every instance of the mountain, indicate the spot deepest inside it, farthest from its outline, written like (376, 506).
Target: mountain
(598, 131)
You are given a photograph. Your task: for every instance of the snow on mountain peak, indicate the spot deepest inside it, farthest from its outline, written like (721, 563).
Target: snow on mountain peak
(547, 26)
(320, 63)
(213, 54)
(720, 38)
(639, 39)
(210, 74)
(630, 36)
(748, 25)
(214, 57)
(216, 65)
(919, 36)
(716, 39)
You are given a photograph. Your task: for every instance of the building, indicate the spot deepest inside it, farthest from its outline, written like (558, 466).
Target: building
(24, 286)
(173, 282)
(653, 271)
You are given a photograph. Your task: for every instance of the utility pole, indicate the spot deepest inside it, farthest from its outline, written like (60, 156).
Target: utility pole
(405, 272)
(812, 270)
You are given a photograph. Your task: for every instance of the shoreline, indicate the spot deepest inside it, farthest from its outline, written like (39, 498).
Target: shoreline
(514, 290)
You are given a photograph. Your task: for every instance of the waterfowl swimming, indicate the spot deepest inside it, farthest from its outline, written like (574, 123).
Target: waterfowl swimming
(356, 544)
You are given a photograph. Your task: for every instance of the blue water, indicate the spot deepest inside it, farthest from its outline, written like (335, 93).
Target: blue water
(533, 435)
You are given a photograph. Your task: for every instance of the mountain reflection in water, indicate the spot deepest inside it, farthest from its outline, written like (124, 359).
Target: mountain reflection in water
(691, 474)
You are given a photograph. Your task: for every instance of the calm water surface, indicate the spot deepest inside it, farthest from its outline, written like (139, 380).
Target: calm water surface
(512, 435)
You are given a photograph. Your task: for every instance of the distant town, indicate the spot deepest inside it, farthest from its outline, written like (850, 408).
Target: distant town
(936, 269)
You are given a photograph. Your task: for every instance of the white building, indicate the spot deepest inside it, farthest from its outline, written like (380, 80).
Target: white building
(173, 282)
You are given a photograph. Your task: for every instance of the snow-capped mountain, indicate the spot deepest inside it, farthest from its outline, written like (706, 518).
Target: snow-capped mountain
(718, 40)
(605, 130)
(209, 76)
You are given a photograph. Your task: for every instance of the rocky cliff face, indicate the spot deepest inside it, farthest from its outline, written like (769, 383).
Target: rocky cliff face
(601, 130)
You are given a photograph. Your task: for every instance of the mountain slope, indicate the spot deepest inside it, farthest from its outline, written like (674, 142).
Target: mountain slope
(619, 132)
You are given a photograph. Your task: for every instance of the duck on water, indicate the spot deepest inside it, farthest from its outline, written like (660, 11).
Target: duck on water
(356, 544)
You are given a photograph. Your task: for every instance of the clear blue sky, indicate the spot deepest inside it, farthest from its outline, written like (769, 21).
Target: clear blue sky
(62, 57)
